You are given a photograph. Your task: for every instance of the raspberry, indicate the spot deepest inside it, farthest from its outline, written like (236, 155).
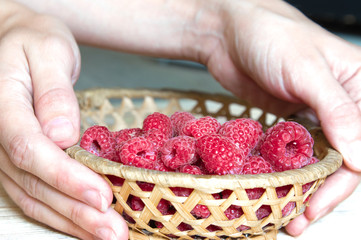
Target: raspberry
(160, 166)
(147, 187)
(125, 134)
(245, 133)
(116, 181)
(263, 211)
(256, 165)
(199, 127)
(137, 204)
(138, 152)
(178, 151)
(287, 145)
(233, 212)
(220, 155)
(307, 186)
(158, 121)
(178, 120)
(200, 211)
(156, 137)
(99, 141)
(282, 192)
(191, 169)
(181, 191)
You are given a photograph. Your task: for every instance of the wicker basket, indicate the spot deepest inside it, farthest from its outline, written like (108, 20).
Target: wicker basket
(125, 108)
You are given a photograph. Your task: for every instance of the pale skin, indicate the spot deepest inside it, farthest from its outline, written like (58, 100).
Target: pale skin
(263, 47)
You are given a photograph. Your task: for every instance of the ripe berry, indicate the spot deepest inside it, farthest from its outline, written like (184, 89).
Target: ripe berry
(158, 121)
(138, 152)
(256, 165)
(178, 151)
(99, 141)
(178, 120)
(156, 137)
(200, 127)
(191, 169)
(287, 145)
(220, 155)
(126, 134)
(245, 133)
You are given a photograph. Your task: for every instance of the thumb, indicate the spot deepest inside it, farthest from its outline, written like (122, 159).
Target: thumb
(339, 115)
(54, 67)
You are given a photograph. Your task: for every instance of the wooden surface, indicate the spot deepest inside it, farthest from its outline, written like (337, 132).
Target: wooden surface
(342, 223)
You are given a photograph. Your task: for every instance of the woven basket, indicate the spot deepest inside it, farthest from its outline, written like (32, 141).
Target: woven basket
(125, 108)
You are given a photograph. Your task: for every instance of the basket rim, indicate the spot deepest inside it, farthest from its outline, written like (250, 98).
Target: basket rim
(328, 165)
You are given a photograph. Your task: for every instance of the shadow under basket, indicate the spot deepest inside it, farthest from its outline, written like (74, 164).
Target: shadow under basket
(126, 108)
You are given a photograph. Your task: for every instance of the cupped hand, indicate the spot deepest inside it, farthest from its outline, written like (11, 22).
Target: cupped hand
(275, 57)
(39, 63)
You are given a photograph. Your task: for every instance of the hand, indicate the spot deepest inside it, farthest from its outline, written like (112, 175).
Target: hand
(278, 59)
(39, 62)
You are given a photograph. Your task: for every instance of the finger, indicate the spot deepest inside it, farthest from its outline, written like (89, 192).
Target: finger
(336, 189)
(339, 115)
(22, 138)
(53, 65)
(39, 211)
(107, 225)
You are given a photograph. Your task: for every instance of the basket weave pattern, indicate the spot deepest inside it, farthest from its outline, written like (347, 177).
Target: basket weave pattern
(126, 108)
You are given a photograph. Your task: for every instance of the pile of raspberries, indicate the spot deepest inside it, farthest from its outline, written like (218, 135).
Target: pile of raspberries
(183, 143)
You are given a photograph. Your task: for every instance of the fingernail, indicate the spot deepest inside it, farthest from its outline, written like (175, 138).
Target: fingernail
(352, 155)
(104, 203)
(105, 233)
(59, 129)
(92, 198)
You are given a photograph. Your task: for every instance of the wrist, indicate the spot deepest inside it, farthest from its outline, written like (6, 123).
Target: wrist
(203, 31)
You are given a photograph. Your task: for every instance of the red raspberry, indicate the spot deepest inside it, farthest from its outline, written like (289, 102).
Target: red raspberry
(282, 192)
(99, 141)
(156, 137)
(287, 145)
(191, 169)
(138, 152)
(199, 127)
(116, 181)
(263, 211)
(181, 191)
(256, 165)
(160, 166)
(178, 151)
(220, 155)
(245, 133)
(252, 194)
(137, 204)
(147, 187)
(200, 211)
(179, 119)
(125, 134)
(233, 212)
(307, 186)
(158, 121)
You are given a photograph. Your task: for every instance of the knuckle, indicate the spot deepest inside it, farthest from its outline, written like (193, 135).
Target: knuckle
(32, 185)
(76, 213)
(28, 206)
(61, 179)
(20, 149)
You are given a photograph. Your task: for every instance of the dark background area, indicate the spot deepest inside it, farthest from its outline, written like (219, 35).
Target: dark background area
(342, 15)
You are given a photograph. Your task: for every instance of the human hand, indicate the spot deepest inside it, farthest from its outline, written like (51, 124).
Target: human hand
(39, 62)
(275, 57)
